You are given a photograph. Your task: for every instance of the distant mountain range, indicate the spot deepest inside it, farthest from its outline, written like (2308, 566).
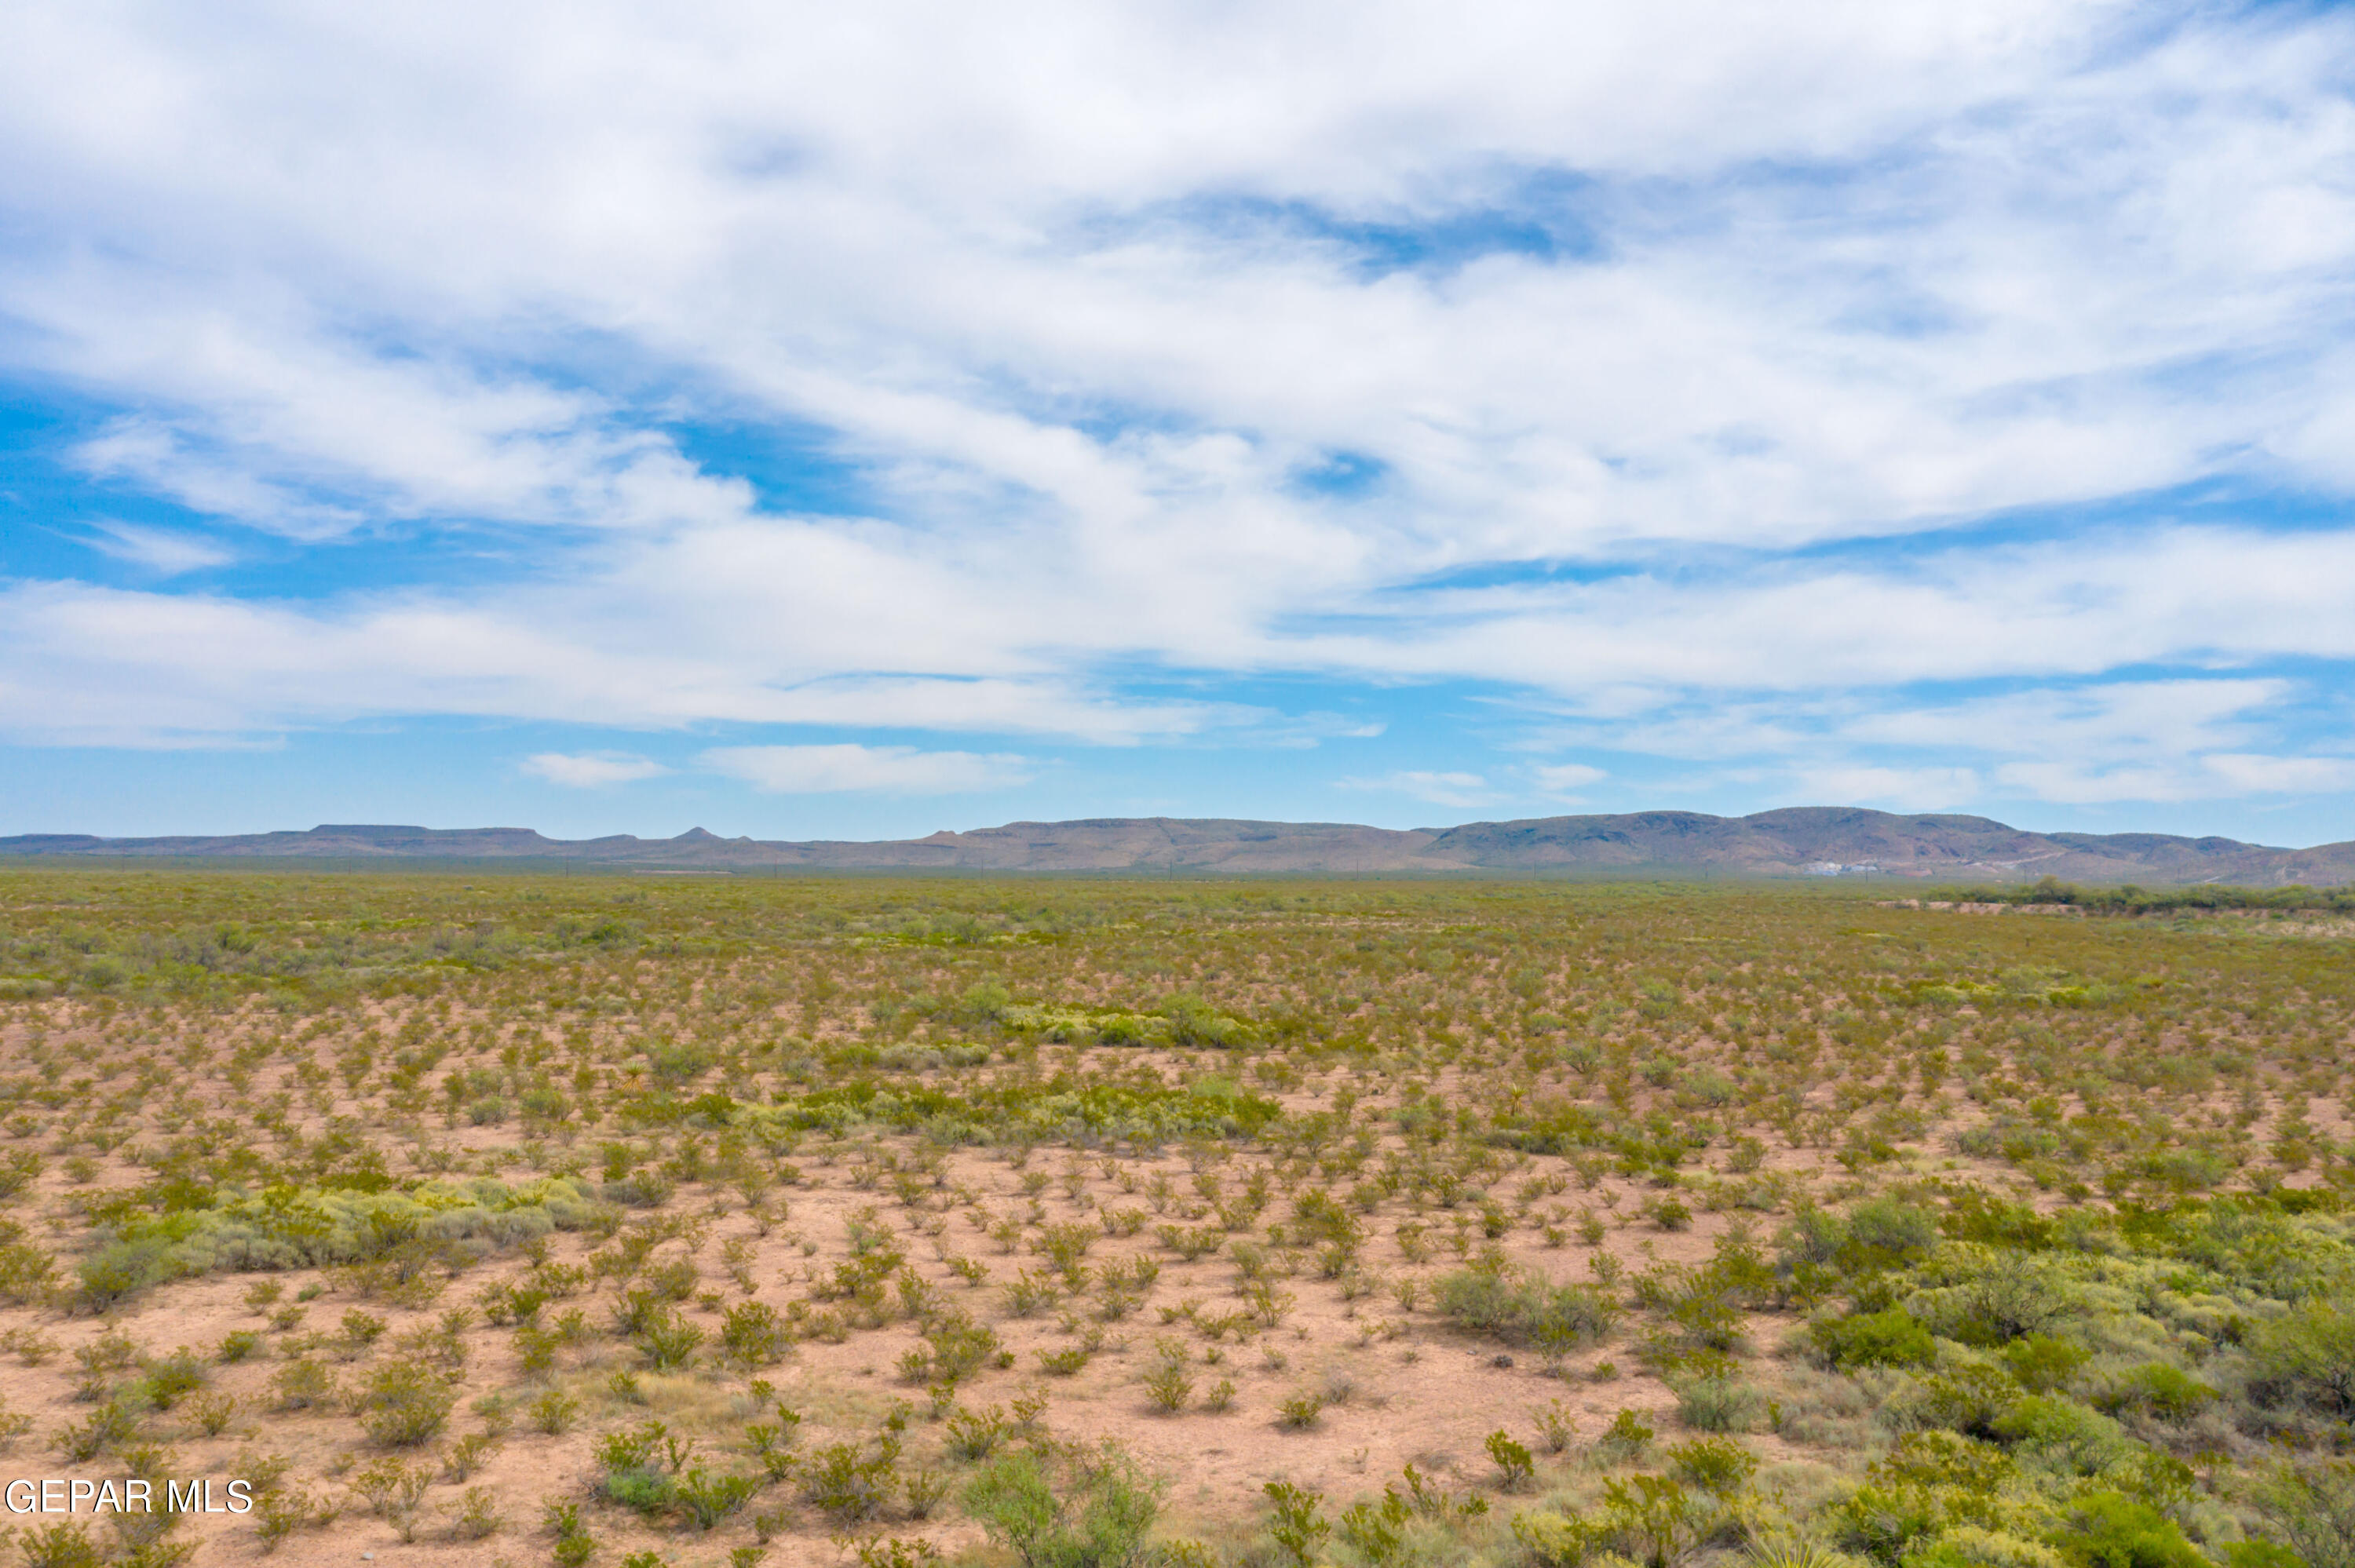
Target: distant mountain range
(1817, 840)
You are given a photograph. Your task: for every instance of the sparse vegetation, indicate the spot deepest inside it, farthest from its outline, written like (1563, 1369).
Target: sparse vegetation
(865, 1207)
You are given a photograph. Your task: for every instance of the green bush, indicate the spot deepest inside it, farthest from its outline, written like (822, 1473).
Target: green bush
(753, 1335)
(2063, 1433)
(115, 1273)
(2312, 1507)
(172, 1378)
(61, 1545)
(2043, 1364)
(406, 1404)
(1872, 1237)
(643, 1490)
(1088, 1511)
(1968, 1397)
(1627, 1435)
(1514, 1464)
(1716, 1404)
(2168, 1393)
(706, 1499)
(849, 1485)
(2110, 1530)
(2309, 1356)
(1654, 1518)
(1714, 1465)
(668, 1340)
(1887, 1339)
(1524, 1308)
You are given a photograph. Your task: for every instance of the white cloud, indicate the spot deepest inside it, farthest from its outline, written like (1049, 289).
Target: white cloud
(1999, 233)
(2219, 776)
(166, 552)
(1565, 777)
(591, 769)
(880, 769)
(2108, 720)
(1466, 790)
(682, 631)
(1896, 789)
(1074, 330)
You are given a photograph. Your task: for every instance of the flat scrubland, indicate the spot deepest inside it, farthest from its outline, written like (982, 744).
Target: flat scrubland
(691, 1221)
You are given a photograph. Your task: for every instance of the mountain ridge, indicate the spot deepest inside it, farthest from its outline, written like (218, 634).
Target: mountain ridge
(1789, 840)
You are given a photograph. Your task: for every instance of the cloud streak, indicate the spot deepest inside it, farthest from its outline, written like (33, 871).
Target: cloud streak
(885, 770)
(590, 770)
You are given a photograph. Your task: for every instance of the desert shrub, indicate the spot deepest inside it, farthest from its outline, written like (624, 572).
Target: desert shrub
(468, 1454)
(2309, 1355)
(1377, 1532)
(120, 1270)
(287, 1227)
(1655, 1519)
(574, 1542)
(1976, 1546)
(111, 1426)
(1716, 1404)
(1627, 1435)
(973, 1435)
(1297, 1521)
(1169, 1387)
(1892, 1338)
(1714, 1465)
(553, 1411)
(1968, 1397)
(61, 1545)
(668, 1340)
(1067, 1363)
(1193, 1021)
(1524, 1308)
(1514, 1464)
(1997, 1295)
(303, 1385)
(170, 1379)
(2312, 1507)
(405, 1405)
(2062, 1433)
(954, 1348)
(1082, 1509)
(28, 1275)
(1932, 1483)
(706, 1499)
(2110, 1530)
(1300, 1411)
(846, 1482)
(752, 1334)
(394, 1492)
(478, 1515)
(2043, 1364)
(210, 1413)
(646, 1491)
(2168, 1393)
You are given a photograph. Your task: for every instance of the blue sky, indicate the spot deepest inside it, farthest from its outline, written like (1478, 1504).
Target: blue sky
(809, 423)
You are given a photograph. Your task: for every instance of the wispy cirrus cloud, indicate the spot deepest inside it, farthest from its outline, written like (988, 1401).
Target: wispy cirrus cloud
(1467, 790)
(167, 552)
(887, 769)
(590, 770)
(1565, 778)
